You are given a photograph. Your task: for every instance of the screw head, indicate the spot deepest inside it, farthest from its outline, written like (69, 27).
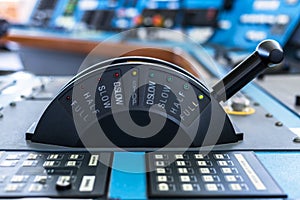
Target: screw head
(269, 115)
(12, 104)
(296, 139)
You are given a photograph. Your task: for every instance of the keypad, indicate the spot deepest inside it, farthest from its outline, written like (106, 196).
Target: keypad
(54, 174)
(208, 174)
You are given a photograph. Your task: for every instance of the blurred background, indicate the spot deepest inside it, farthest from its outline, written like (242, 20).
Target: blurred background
(53, 37)
(227, 28)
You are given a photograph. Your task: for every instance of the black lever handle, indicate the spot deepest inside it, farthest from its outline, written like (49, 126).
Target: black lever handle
(267, 54)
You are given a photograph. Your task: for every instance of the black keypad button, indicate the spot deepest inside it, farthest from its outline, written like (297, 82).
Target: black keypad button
(55, 157)
(63, 183)
(76, 157)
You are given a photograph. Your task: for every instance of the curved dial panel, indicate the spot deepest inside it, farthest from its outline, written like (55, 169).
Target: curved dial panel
(134, 102)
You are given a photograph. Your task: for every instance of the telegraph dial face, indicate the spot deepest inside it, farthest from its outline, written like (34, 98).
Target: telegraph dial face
(134, 102)
(140, 99)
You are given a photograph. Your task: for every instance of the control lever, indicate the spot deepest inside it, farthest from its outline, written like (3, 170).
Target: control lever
(88, 106)
(267, 54)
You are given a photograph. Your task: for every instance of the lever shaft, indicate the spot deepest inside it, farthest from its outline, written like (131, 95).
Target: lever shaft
(267, 54)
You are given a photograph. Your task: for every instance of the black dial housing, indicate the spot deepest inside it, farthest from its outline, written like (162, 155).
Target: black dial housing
(142, 91)
(141, 102)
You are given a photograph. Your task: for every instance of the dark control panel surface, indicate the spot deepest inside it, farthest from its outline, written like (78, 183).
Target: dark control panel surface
(213, 174)
(54, 174)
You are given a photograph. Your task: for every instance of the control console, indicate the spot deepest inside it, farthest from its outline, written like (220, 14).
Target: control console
(149, 92)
